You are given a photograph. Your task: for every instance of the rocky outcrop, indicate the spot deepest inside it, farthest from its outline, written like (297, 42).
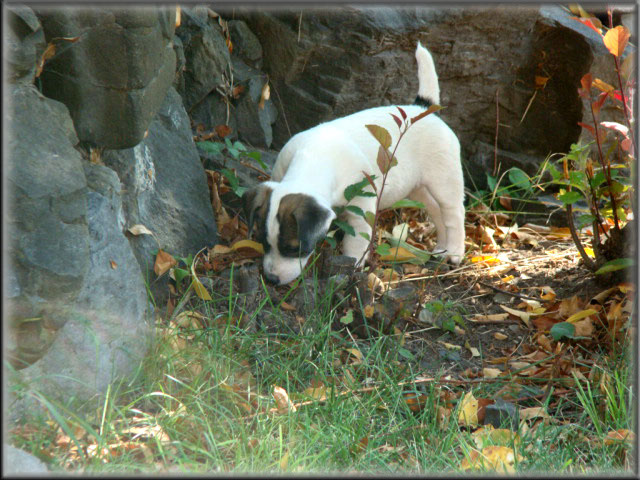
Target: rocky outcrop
(24, 43)
(222, 84)
(19, 462)
(328, 63)
(165, 189)
(112, 72)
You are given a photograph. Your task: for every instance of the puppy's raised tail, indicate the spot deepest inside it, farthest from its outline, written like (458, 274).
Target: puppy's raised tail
(428, 88)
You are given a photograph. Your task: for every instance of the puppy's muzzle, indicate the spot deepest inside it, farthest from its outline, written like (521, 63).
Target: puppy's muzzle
(270, 278)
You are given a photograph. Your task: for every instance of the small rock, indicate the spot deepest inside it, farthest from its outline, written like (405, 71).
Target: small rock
(502, 414)
(19, 462)
(246, 279)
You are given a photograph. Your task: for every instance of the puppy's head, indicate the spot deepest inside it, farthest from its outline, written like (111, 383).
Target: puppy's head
(288, 225)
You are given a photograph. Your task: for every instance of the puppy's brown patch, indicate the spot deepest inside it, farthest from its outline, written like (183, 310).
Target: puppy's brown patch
(255, 203)
(301, 220)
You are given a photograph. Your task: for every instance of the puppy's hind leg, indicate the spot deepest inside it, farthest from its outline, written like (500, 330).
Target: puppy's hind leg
(422, 195)
(447, 213)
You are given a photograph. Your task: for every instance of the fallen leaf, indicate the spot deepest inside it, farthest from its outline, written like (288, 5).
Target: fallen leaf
(264, 95)
(139, 230)
(485, 259)
(284, 461)
(524, 316)
(200, 290)
(287, 307)
(500, 336)
(491, 372)
(584, 328)
(220, 250)
(113, 264)
(164, 261)
(620, 436)
(449, 346)
(283, 403)
(474, 351)
(496, 317)
(533, 412)
(468, 413)
(248, 244)
(580, 315)
(398, 254)
(498, 458)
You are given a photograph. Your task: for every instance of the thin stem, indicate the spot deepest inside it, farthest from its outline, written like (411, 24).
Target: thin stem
(576, 240)
(607, 172)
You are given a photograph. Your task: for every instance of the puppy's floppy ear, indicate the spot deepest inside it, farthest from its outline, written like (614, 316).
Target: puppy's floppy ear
(304, 220)
(255, 203)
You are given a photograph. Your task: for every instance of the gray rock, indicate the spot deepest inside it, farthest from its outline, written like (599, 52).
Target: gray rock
(24, 43)
(245, 44)
(19, 462)
(48, 246)
(115, 76)
(165, 189)
(502, 414)
(206, 55)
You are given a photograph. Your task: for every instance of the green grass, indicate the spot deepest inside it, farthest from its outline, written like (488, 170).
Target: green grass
(202, 402)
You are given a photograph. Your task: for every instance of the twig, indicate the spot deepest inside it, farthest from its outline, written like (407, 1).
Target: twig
(506, 292)
(495, 144)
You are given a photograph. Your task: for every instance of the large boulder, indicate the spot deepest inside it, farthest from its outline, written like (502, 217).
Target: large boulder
(18, 462)
(46, 221)
(113, 71)
(328, 63)
(76, 304)
(165, 189)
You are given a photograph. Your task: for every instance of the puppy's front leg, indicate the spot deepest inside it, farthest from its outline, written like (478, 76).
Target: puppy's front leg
(356, 246)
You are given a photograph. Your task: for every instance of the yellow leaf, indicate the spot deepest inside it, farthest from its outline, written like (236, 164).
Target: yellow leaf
(580, 315)
(449, 346)
(495, 317)
(201, 292)
(248, 244)
(524, 316)
(548, 294)
(605, 87)
(507, 279)
(164, 261)
(500, 336)
(399, 254)
(468, 413)
(220, 249)
(317, 393)
(283, 403)
(488, 259)
(616, 40)
(369, 310)
(284, 461)
(474, 351)
(487, 436)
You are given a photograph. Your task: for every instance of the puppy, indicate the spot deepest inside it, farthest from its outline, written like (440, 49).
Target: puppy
(293, 211)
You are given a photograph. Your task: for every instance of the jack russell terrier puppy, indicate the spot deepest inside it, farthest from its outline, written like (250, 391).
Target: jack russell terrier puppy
(293, 211)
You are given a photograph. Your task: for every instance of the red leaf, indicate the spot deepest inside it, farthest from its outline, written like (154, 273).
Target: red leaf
(586, 81)
(588, 127)
(397, 120)
(617, 127)
(370, 180)
(588, 23)
(404, 115)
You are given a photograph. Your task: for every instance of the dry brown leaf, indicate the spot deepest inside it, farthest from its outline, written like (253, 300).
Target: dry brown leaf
(283, 403)
(491, 372)
(164, 261)
(500, 336)
(264, 95)
(533, 412)
(139, 230)
(620, 436)
(113, 264)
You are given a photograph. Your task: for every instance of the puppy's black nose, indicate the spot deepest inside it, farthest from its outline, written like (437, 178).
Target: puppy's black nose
(271, 278)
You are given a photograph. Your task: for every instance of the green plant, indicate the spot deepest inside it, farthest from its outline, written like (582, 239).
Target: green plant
(238, 152)
(600, 173)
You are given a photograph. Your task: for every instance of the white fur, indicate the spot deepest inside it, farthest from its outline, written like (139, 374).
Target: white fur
(324, 160)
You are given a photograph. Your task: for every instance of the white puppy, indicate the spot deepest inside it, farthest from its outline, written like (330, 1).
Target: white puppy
(293, 211)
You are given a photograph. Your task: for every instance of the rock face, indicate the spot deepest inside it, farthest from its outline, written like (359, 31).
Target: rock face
(77, 306)
(220, 87)
(24, 42)
(328, 63)
(115, 76)
(48, 249)
(165, 189)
